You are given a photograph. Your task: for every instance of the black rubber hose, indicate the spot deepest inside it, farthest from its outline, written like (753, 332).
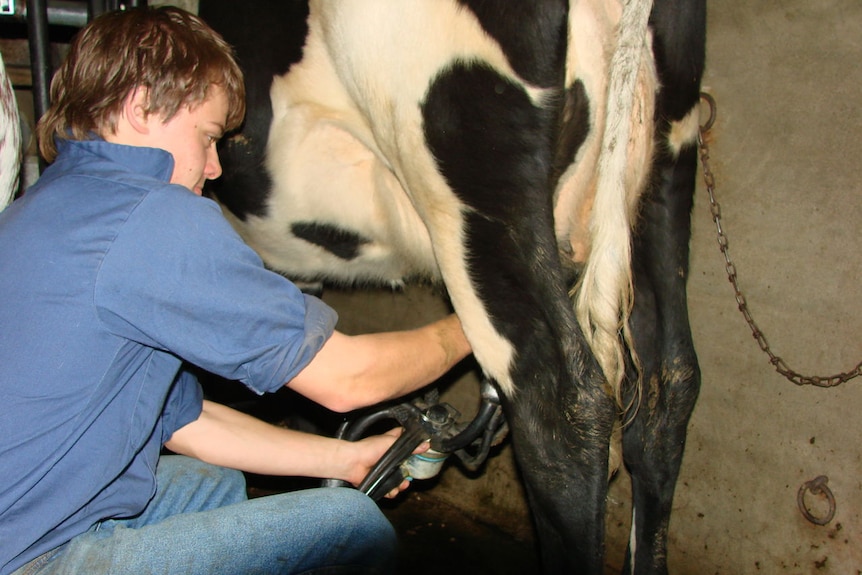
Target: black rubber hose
(386, 473)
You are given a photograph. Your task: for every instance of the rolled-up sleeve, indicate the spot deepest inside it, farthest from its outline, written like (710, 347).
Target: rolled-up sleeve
(184, 404)
(198, 291)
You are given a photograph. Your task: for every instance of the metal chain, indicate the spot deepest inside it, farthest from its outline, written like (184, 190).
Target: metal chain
(715, 209)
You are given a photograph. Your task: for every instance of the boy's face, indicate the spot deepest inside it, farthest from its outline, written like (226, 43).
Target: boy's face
(191, 136)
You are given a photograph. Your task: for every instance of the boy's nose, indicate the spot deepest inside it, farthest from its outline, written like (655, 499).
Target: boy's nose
(213, 167)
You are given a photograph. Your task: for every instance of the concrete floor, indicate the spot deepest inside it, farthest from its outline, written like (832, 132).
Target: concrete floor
(785, 152)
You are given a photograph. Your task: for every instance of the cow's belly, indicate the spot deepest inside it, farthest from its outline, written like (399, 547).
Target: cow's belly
(346, 154)
(335, 212)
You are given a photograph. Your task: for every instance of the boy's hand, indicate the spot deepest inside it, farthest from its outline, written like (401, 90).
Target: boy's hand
(370, 449)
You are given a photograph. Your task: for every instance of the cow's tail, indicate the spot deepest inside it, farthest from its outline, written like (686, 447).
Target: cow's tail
(604, 293)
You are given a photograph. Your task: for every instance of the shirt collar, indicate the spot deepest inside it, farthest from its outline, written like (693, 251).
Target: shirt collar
(152, 162)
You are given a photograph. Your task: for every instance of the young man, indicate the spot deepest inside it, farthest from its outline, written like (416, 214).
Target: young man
(115, 276)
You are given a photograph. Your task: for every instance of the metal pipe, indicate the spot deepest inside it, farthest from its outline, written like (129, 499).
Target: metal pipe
(59, 12)
(40, 58)
(96, 8)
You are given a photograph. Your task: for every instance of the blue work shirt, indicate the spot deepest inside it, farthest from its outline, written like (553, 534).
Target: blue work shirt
(111, 278)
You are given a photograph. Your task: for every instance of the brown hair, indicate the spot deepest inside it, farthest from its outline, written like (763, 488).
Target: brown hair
(172, 53)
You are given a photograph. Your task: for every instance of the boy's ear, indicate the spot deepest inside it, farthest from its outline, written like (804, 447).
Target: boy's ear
(135, 109)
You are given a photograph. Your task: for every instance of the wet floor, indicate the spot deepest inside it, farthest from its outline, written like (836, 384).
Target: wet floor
(438, 538)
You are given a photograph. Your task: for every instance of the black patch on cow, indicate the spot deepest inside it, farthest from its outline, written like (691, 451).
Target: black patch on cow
(340, 242)
(268, 37)
(491, 143)
(245, 185)
(574, 128)
(679, 46)
(532, 34)
(493, 147)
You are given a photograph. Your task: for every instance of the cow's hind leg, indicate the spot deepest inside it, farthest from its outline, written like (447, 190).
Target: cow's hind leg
(490, 143)
(653, 442)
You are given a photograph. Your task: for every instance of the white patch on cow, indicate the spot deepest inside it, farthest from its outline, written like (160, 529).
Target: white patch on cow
(684, 133)
(386, 53)
(326, 168)
(10, 140)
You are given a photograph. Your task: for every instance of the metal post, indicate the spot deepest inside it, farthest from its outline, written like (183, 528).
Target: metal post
(40, 57)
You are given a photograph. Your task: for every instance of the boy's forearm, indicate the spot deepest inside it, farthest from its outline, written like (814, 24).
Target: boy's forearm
(356, 371)
(409, 360)
(226, 437)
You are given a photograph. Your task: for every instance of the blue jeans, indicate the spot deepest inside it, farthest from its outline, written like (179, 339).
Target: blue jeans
(201, 523)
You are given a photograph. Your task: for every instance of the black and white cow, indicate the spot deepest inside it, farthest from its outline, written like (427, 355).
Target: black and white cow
(539, 159)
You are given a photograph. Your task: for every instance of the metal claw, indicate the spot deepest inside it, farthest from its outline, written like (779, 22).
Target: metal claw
(426, 420)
